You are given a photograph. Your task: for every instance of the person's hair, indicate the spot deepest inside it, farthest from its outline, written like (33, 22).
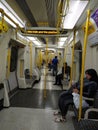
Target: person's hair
(55, 56)
(93, 74)
(65, 63)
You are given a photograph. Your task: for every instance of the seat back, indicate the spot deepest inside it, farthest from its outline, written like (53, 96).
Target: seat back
(1, 95)
(94, 115)
(96, 99)
(27, 74)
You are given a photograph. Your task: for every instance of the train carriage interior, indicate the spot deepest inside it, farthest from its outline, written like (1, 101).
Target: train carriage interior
(47, 47)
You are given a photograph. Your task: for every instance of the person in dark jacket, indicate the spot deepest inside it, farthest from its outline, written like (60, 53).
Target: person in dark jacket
(60, 76)
(66, 98)
(55, 65)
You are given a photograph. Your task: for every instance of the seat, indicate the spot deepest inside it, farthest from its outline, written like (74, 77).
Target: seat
(1, 95)
(30, 79)
(89, 112)
(89, 119)
(87, 124)
(27, 74)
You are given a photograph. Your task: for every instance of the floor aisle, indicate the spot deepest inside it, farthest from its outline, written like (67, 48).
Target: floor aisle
(30, 111)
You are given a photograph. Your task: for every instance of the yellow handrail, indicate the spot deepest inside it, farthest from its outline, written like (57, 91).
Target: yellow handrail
(73, 51)
(45, 94)
(65, 54)
(83, 62)
(9, 62)
(31, 65)
(40, 58)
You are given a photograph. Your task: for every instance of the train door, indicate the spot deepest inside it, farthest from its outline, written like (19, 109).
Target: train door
(13, 82)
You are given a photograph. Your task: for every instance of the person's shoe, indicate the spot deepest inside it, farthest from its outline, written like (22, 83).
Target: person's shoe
(55, 84)
(60, 84)
(60, 119)
(57, 113)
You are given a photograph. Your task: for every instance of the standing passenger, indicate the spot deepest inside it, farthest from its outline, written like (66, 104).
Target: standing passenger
(55, 65)
(60, 75)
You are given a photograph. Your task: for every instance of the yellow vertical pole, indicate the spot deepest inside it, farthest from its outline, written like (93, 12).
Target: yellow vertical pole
(73, 51)
(45, 94)
(83, 62)
(8, 62)
(21, 68)
(31, 58)
(40, 58)
(59, 11)
(65, 54)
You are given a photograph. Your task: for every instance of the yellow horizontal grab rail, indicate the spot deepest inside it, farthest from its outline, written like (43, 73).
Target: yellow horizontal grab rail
(4, 14)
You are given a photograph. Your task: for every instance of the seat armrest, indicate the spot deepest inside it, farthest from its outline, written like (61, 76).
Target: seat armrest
(90, 110)
(89, 99)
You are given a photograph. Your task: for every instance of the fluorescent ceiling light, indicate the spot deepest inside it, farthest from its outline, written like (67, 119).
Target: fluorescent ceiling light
(11, 13)
(62, 41)
(35, 41)
(21, 36)
(32, 38)
(9, 21)
(76, 8)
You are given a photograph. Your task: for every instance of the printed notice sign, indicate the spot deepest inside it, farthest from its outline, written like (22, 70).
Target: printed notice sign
(95, 17)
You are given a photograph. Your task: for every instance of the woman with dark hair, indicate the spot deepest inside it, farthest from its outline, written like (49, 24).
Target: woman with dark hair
(66, 97)
(91, 74)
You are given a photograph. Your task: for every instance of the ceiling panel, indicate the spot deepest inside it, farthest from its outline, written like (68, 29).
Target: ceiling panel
(25, 8)
(18, 10)
(38, 9)
(51, 6)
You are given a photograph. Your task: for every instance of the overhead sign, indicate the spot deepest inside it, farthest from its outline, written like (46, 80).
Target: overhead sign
(95, 17)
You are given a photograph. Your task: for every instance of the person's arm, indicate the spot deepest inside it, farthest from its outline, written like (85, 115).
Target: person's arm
(91, 89)
(75, 90)
(62, 70)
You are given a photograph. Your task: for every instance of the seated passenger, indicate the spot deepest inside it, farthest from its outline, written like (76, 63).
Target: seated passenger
(50, 65)
(66, 97)
(68, 70)
(60, 74)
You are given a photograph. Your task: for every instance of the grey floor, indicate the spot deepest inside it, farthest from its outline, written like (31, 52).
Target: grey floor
(20, 118)
(32, 119)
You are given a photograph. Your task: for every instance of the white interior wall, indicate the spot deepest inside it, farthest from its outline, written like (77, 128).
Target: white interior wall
(68, 56)
(4, 40)
(91, 58)
(91, 54)
(27, 57)
(24, 54)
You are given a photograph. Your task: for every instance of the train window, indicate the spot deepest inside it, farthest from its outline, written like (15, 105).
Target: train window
(21, 68)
